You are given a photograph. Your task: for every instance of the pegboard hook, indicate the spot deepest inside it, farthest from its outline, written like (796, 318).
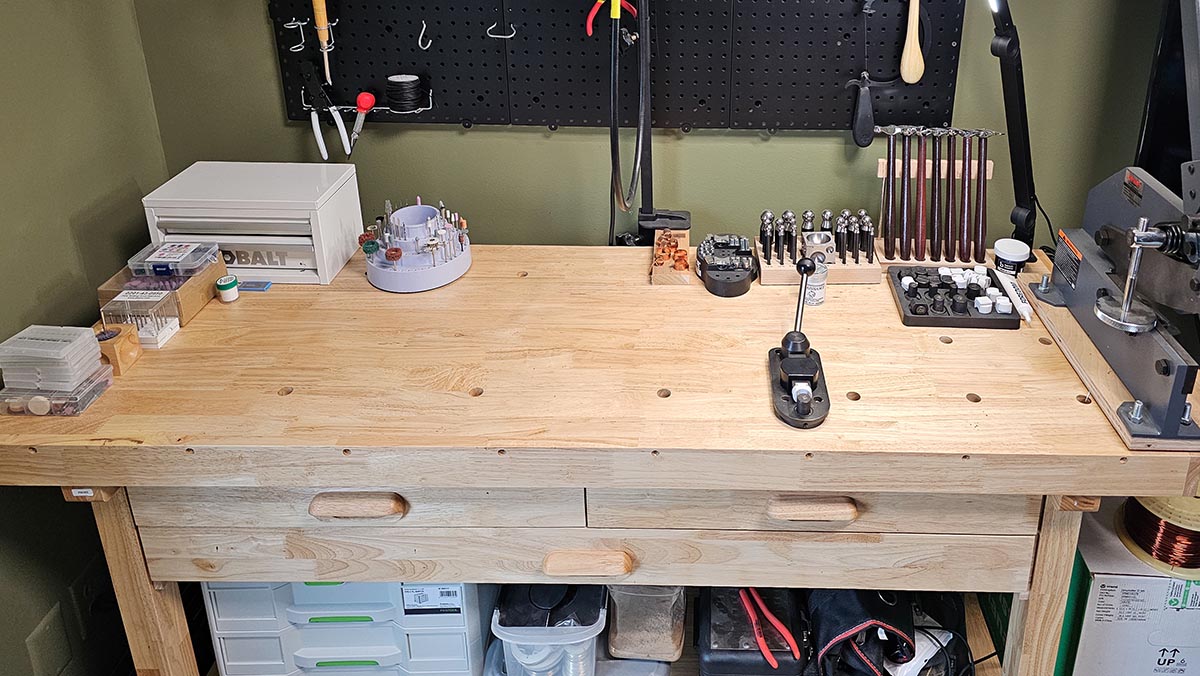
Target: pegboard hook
(512, 32)
(423, 42)
(299, 26)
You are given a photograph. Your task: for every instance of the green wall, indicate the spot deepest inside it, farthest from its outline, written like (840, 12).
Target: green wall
(82, 147)
(217, 93)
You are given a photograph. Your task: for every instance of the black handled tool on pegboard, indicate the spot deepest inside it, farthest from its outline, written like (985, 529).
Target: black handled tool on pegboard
(798, 389)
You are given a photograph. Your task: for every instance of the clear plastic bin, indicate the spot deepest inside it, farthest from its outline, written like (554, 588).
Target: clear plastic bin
(49, 345)
(560, 641)
(174, 258)
(647, 622)
(154, 313)
(22, 401)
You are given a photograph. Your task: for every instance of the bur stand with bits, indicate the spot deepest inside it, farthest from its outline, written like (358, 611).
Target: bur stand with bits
(845, 243)
(932, 211)
(798, 390)
(416, 248)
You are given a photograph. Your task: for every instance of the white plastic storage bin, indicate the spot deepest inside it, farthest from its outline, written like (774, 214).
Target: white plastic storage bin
(290, 629)
(550, 630)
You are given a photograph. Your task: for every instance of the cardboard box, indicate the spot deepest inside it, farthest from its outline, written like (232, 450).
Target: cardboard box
(1137, 621)
(191, 297)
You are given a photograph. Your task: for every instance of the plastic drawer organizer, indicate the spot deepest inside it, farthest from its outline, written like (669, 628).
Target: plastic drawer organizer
(349, 629)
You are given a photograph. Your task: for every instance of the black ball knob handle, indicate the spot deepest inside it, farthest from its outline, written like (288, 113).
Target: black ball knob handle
(806, 266)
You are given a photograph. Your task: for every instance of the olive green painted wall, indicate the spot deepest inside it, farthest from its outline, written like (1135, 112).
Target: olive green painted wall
(217, 93)
(82, 147)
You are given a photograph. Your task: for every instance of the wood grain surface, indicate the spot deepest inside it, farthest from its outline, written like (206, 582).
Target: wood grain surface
(561, 366)
(506, 555)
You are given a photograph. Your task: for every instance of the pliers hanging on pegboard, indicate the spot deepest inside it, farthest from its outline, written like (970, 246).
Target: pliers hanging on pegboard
(591, 19)
(318, 99)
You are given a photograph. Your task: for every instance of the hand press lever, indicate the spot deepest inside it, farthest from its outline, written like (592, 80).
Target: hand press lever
(798, 390)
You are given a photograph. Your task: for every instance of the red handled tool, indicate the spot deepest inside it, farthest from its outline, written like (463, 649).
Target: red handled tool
(362, 105)
(745, 595)
(596, 10)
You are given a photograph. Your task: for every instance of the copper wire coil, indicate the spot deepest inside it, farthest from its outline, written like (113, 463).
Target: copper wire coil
(1164, 541)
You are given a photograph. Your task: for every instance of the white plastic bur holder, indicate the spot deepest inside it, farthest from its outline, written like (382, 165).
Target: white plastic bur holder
(549, 651)
(435, 253)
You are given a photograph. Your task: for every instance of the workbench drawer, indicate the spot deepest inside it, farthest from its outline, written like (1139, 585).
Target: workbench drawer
(999, 563)
(325, 507)
(773, 511)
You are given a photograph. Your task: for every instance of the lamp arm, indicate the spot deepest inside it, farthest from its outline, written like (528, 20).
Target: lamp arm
(1006, 46)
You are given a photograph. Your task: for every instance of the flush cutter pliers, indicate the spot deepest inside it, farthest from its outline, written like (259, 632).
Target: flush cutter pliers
(319, 100)
(616, 13)
(745, 595)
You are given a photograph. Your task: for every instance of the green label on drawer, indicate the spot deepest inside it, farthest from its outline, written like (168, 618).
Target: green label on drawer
(341, 618)
(323, 584)
(349, 663)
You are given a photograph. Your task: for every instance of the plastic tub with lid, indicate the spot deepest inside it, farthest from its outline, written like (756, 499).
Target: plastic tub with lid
(647, 622)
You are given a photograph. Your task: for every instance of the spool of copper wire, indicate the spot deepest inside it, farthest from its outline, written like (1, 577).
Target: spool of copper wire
(1168, 530)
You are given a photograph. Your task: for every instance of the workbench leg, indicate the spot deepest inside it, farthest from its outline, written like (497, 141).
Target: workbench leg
(1035, 626)
(153, 613)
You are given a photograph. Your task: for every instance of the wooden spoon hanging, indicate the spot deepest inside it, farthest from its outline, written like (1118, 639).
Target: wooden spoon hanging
(912, 62)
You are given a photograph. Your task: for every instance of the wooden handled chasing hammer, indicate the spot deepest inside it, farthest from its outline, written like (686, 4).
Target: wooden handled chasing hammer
(321, 23)
(912, 63)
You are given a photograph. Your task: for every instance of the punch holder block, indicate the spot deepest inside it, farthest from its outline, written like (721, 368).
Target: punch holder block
(885, 263)
(970, 318)
(784, 274)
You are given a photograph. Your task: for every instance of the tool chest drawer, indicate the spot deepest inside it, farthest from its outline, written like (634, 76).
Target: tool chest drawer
(332, 508)
(773, 511)
(999, 563)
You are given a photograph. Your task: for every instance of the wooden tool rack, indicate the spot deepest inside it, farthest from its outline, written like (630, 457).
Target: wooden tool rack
(529, 420)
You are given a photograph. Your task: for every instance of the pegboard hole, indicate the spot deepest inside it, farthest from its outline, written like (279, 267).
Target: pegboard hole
(1083, 399)
(475, 391)
(285, 391)
(1045, 341)
(853, 396)
(945, 339)
(664, 393)
(974, 398)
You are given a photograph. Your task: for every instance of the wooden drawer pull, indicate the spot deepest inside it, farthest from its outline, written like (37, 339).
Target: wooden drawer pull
(812, 508)
(587, 563)
(346, 505)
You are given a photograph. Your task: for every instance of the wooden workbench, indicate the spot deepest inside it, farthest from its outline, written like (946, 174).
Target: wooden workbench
(553, 414)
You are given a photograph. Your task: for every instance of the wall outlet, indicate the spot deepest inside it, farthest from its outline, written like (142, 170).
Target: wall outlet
(48, 645)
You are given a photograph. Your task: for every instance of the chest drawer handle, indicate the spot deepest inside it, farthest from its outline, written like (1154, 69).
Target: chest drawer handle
(369, 505)
(587, 563)
(812, 508)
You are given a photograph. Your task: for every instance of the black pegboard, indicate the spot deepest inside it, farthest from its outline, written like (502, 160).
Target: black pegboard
(792, 60)
(751, 64)
(373, 40)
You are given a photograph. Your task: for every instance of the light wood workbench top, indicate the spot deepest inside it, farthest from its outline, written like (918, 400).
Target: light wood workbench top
(557, 365)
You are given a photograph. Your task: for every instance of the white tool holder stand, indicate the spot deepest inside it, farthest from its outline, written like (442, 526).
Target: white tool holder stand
(422, 267)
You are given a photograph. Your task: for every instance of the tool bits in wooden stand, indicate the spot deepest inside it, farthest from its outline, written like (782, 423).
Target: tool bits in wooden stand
(935, 194)
(845, 243)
